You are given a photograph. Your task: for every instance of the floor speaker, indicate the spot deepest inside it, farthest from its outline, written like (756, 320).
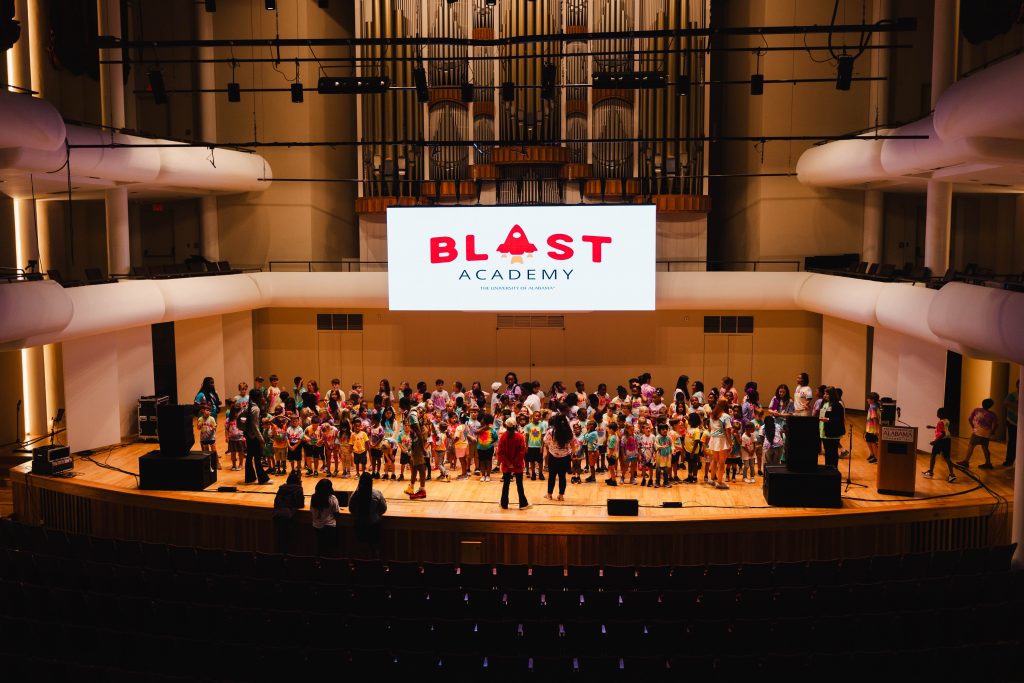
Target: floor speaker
(190, 472)
(817, 488)
(623, 507)
(802, 442)
(174, 429)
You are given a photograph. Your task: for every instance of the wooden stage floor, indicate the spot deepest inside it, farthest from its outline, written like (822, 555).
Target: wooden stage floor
(472, 506)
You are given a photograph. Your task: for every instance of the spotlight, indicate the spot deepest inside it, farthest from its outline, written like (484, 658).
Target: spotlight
(844, 75)
(549, 74)
(353, 85)
(234, 92)
(156, 86)
(508, 91)
(629, 79)
(757, 84)
(467, 92)
(296, 92)
(419, 77)
(683, 86)
(270, 5)
(211, 5)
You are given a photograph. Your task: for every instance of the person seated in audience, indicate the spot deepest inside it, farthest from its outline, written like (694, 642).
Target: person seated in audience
(367, 505)
(288, 499)
(323, 507)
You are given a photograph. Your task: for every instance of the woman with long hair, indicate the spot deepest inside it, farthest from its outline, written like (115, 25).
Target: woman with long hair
(833, 418)
(323, 506)
(367, 506)
(781, 407)
(384, 391)
(208, 394)
(289, 498)
(512, 460)
(682, 392)
(720, 425)
(559, 445)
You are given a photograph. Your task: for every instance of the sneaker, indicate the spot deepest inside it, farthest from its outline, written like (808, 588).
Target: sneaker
(927, 474)
(657, 486)
(643, 481)
(444, 477)
(721, 486)
(401, 477)
(872, 459)
(612, 482)
(561, 497)
(985, 466)
(632, 480)
(951, 478)
(533, 477)
(760, 473)
(409, 490)
(591, 479)
(650, 483)
(503, 506)
(541, 477)
(316, 474)
(476, 473)
(268, 482)
(964, 464)
(376, 475)
(525, 506)
(487, 478)
(422, 493)
(668, 485)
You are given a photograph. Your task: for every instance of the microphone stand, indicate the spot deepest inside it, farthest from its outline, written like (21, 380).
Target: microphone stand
(849, 468)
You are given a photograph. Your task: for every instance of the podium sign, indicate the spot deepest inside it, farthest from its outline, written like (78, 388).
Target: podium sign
(897, 461)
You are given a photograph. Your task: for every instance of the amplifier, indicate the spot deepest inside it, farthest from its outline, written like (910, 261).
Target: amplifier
(148, 407)
(52, 460)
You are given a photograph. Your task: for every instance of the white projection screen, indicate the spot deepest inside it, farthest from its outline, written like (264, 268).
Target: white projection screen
(521, 258)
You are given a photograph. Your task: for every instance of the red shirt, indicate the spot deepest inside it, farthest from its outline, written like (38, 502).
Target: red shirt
(512, 452)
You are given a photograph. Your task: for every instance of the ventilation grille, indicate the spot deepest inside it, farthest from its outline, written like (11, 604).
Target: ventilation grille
(728, 324)
(339, 322)
(510, 322)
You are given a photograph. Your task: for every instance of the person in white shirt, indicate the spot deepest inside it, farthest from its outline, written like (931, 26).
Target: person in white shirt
(532, 401)
(803, 395)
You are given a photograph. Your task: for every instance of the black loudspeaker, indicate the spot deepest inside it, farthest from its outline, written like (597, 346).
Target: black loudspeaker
(817, 488)
(190, 472)
(623, 507)
(174, 425)
(802, 442)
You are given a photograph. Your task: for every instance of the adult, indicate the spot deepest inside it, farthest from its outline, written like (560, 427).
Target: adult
(803, 395)
(323, 507)
(646, 388)
(477, 396)
(720, 444)
(532, 400)
(728, 391)
(512, 390)
(208, 394)
(384, 391)
(511, 459)
(289, 498)
(367, 506)
(833, 418)
(698, 392)
(559, 445)
(983, 425)
(254, 441)
(781, 407)
(682, 392)
(1011, 425)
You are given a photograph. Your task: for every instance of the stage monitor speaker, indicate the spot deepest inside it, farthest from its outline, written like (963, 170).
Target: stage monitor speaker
(623, 507)
(190, 472)
(802, 442)
(818, 488)
(174, 429)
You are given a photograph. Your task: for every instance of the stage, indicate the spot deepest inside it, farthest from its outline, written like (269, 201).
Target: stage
(461, 520)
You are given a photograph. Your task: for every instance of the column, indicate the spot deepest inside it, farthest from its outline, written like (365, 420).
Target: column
(1017, 535)
(209, 235)
(940, 194)
(112, 103)
(878, 110)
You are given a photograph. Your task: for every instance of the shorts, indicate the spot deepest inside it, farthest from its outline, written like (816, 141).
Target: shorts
(280, 453)
(664, 461)
(296, 454)
(211, 442)
(871, 438)
(612, 458)
(629, 457)
(403, 458)
(313, 452)
(533, 455)
(485, 458)
(602, 449)
(460, 452)
(236, 446)
(359, 458)
(375, 454)
(942, 447)
(419, 456)
(978, 440)
(733, 460)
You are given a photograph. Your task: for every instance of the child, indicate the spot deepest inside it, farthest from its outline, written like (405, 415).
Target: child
(486, 438)
(329, 440)
(645, 444)
(439, 444)
(472, 427)
(535, 430)
(693, 447)
(235, 437)
(772, 440)
(439, 397)
(602, 442)
(295, 433)
(345, 446)
(941, 445)
(735, 457)
(871, 427)
(677, 448)
(359, 441)
(279, 439)
(758, 423)
(747, 453)
(578, 454)
(460, 446)
(335, 399)
(663, 457)
(612, 452)
(273, 395)
(313, 447)
(629, 453)
(404, 450)
(376, 436)
(389, 443)
(591, 441)
(207, 425)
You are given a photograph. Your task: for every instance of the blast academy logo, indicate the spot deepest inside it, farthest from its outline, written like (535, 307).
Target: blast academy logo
(516, 245)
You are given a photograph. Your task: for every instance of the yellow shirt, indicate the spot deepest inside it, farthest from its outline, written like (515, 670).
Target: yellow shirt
(359, 440)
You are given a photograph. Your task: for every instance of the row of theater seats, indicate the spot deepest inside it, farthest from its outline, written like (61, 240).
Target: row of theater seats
(355, 572)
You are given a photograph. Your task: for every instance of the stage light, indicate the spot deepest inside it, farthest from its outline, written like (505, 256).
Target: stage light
(211, 5)
(844, 74)
(353, 85)
(549, 74)
(467, 92)
(234, 92)
(683, 86)
(419, 77)
(296, 92)
(508, 91)
(757, 84)
(629, 80)
(156, 86)
(270, 5)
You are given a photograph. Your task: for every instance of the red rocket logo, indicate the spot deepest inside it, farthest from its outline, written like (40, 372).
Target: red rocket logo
(516, 244)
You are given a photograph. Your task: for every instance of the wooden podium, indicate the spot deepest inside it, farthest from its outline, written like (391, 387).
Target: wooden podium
(897, 460)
